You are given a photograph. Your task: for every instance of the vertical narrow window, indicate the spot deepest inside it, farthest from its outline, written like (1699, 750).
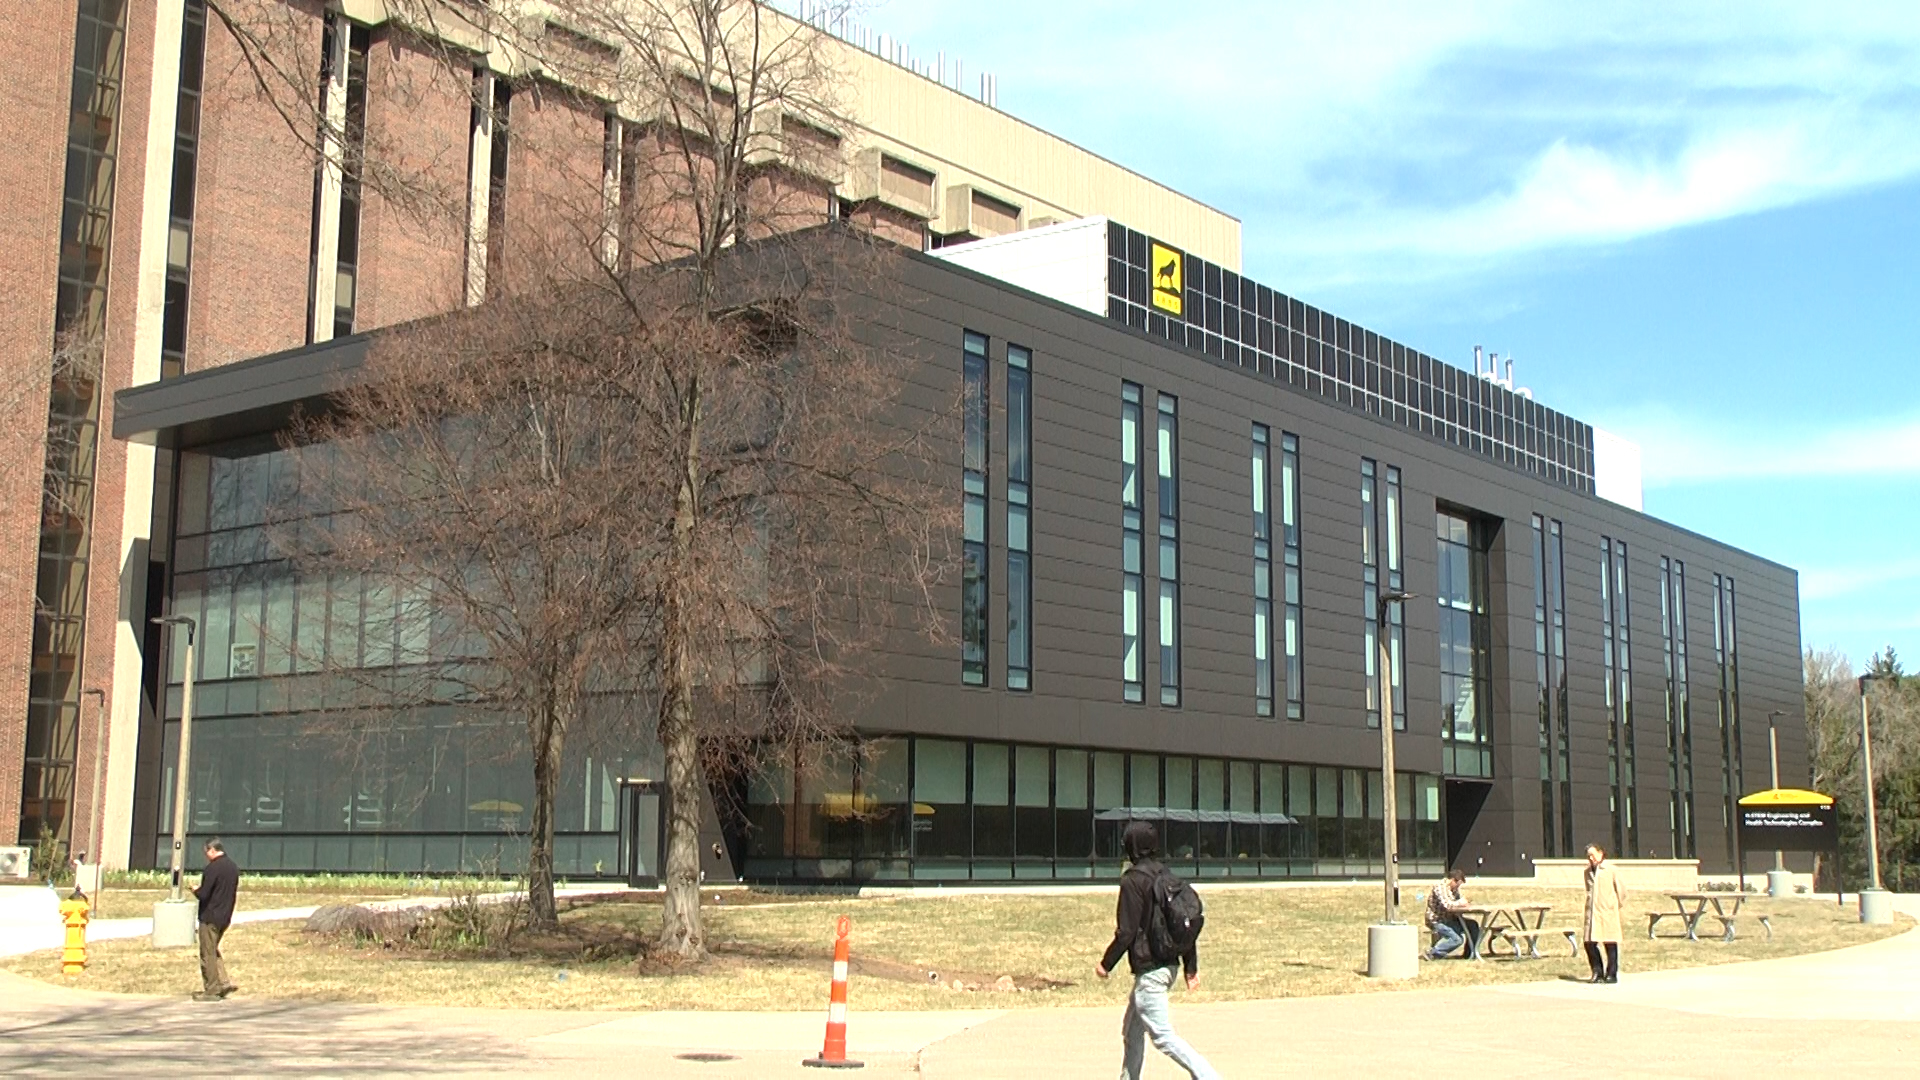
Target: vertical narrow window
(1262, 575)
(186, 152)
(1728, 706)
(1396, 613)
(1623, 663)
(1688, 808)
(1672, 701)
(973, 578)
(346, 273)
(1733, 699)
(1019, 518)
(1290, 594)
(1370, 583)
(1132, 542)
(1543, 681)
(73, 420)
(1609, 672)
(1167, 460)
(497, 182)
(1557, 599)
(1465, 633)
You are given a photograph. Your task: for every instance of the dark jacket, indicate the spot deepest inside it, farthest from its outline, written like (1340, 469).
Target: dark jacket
(219, 884)
(1130, 923)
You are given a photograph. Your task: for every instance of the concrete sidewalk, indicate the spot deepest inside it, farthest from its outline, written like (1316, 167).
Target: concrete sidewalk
(1853, 1010)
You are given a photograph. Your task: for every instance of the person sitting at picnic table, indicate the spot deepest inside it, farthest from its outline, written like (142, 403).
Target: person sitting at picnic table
(1450, 929)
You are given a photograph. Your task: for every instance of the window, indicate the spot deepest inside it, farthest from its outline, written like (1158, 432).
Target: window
(1166, 457)
(1262, 577)
(973, 578)
(1549, 667)
(1464, 636)
(1557, 595)
(348, 251)
(60, 621)
(186, 147)
(1019, 518)
(1618, 683)
(1290, 591)
(1132, 542)
(1380, 561)
(1673, 630)
(1727, 666)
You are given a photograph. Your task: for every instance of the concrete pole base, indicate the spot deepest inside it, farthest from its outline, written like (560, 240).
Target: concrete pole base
(87, 878)
(1779, 883)
(1876, 906)
(1393, 951)
(173, 924)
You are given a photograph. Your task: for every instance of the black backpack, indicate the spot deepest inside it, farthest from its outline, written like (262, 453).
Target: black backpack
(1174, 918)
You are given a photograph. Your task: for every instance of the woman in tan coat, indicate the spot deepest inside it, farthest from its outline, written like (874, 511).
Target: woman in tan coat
(1606, 895)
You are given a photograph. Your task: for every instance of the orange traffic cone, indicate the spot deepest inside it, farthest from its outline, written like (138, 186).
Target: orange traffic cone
(834, 1054)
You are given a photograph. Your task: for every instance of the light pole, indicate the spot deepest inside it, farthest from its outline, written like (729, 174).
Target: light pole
(1392, 945)
(97, 876)
(1875, 905)
(1779, 882)
(173, 917)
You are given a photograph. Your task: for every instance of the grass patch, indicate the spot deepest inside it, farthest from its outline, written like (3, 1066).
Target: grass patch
(772, 952)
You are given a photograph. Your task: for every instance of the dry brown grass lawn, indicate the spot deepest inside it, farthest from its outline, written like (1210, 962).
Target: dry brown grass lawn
(1259, 943)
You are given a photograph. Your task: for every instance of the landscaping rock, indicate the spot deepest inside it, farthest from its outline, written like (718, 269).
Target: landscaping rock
(335, 918)
(387, 924)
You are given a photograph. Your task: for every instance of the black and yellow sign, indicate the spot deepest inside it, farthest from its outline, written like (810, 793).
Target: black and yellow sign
(1788, 819)
(1169, 279)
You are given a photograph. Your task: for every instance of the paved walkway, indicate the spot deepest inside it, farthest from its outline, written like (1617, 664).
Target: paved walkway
(1856, 1010)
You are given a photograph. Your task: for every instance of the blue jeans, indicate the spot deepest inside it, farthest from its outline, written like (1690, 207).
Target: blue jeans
(1147, 1015)
(1447, 937)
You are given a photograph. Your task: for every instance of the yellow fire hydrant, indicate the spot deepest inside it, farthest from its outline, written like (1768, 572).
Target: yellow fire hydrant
(73, 912)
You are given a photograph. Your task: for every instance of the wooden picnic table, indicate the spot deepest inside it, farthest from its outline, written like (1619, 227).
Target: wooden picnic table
(1492, 918)
(1691, 907)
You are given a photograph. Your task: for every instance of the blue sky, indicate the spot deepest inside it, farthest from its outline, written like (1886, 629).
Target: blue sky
(1698, 228)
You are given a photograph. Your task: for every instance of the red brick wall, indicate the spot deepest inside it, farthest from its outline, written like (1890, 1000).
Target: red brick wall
(554, 193)
(35, 75)
(253, 216)
(414, 210)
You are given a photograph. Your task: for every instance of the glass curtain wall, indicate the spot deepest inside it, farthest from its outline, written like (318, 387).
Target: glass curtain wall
(935, 809)
(292, 782)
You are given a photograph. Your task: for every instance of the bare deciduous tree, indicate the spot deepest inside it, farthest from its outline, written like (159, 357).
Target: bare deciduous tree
(49, 423)
(666, 464)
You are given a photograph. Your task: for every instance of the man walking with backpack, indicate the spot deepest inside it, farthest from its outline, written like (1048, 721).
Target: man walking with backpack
(1155, 928)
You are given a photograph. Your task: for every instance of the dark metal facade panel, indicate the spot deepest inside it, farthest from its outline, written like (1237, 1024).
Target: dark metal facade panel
(1079, 362)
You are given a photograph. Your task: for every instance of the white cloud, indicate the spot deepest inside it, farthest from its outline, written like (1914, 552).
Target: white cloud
(1679, 449)
(1575, 193)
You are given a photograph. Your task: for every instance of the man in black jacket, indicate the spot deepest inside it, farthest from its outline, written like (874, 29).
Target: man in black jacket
(1147, 1012)
(219, 885)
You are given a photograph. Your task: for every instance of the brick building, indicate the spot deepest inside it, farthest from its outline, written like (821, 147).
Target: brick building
(171, 209)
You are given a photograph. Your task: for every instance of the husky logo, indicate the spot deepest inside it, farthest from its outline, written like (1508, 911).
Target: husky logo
(1169, 290)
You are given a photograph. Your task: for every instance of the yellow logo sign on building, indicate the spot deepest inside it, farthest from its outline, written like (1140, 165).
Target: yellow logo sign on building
(1169, 288)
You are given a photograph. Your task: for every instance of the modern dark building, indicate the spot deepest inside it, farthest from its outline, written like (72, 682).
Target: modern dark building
(1184, 493)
